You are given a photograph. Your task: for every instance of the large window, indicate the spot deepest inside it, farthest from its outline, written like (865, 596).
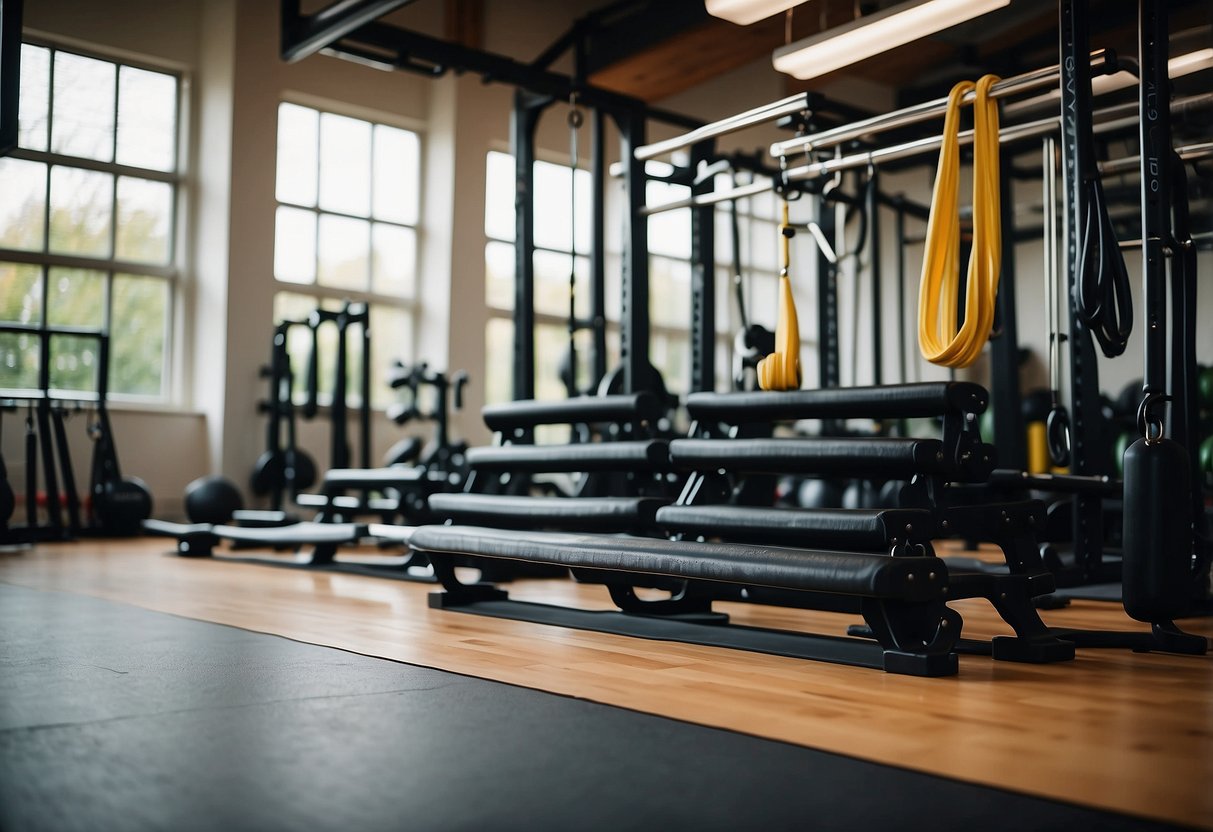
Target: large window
(554, 261)
(348, 206)
(669, 281)
(670, 271)
(87, 224)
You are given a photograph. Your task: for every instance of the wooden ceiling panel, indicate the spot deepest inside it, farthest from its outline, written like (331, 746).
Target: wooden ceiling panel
(690, 58)
(1010, 41)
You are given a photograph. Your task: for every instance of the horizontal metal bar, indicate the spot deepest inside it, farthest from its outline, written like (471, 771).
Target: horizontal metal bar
(305, 35)
(897, 203)
(1200, 238)
(444, 55)
(709, 199)
(759, 115)
(906, 150)
(362, 57)
(1101, 62)
(54, 329)
(59, 159)
(67, 261)
(1203, 150)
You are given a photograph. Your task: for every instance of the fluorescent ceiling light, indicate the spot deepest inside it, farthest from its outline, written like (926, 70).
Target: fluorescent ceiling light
(867, 36)
(1103, 84)
(1191, 62)
(1177, 66)
(745, 12)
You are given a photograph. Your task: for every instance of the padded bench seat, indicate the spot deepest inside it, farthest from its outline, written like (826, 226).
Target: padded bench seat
(346, 503)
(844, 573)
(882, 457)
(896, 401)
(861, 529)
(598, 514)
(590, 456)
(373, 477)
(297, 534)
(197, 539)
(527, 413)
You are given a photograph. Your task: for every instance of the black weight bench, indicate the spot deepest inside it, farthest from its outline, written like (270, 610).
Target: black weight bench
(895, 401)
(719, 468)
(886, 457)
(515, 419)
(199, 540)
(589, 514)
(641, 455)
(874, 530)
(619, 461)
(901, 598)
(408, 487)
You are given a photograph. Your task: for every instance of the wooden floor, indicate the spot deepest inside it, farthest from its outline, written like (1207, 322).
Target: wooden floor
(1113, 729)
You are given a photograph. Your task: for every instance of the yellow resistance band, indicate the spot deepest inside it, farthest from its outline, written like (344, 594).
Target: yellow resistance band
(938, 337)
(781, 369)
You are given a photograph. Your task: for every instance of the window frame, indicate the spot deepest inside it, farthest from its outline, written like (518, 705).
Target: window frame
(542, 317)
(171, 272)
(320, 293)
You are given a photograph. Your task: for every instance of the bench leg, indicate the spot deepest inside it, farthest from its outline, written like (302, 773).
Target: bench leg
(684, 604)
(196, 545)
(918, 639)
(1013, 597)
(456, 593)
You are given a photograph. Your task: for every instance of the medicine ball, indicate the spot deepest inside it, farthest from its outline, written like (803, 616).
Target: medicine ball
(212, 500)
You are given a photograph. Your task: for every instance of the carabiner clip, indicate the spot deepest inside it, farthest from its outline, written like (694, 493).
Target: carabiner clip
(1057, 435)
(1147, 418)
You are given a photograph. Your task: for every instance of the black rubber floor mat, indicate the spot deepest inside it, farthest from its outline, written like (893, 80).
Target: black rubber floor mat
(115, 717)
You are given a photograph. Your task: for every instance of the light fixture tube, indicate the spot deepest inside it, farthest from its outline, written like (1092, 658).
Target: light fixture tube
(1191, 62)
(878, 32)
(1178, 66)
(745, 12)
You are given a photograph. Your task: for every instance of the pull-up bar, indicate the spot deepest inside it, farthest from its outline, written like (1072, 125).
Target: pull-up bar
(1126, 164)
(1102, 62)
(1016, 132)
(759, 115)
(1112, 118)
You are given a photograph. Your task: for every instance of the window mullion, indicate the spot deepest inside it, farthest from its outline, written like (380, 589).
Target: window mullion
(108, 317)
(66, 160)
(370, 214)
(44, 350)
(117, 92)
(71, 261)
(50, 99)
(316, 252)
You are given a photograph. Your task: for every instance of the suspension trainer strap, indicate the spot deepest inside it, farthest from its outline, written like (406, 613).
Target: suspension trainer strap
(939, 338)
(781, 369)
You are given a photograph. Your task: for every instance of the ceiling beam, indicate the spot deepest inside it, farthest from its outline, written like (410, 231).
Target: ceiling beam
(304, 35)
